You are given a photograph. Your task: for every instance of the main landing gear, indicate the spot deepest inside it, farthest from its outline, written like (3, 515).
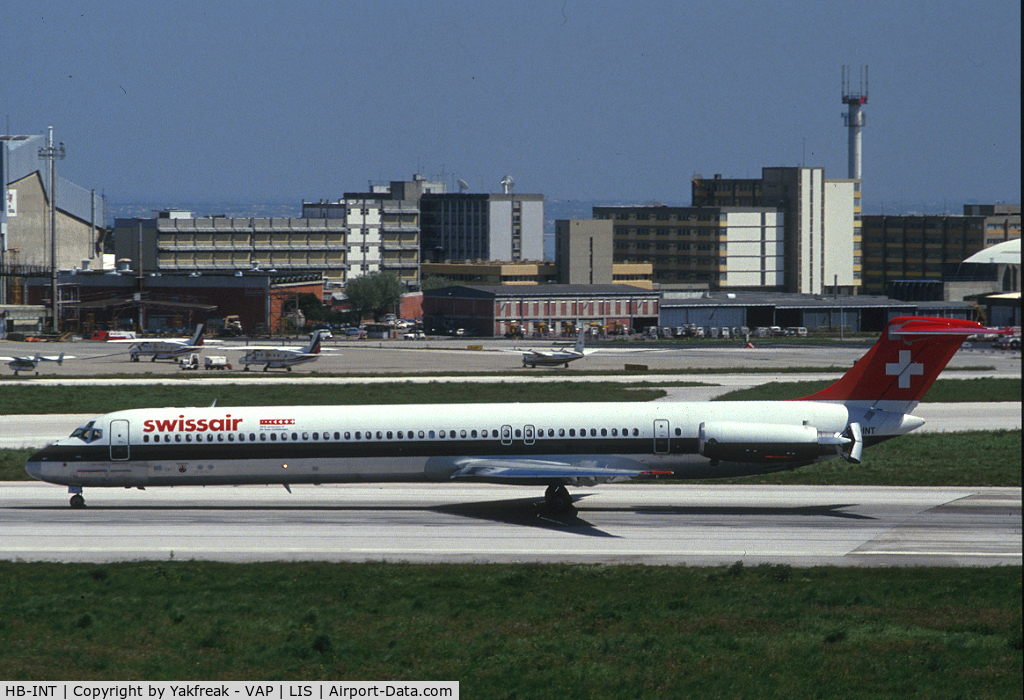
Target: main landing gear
(558, 499)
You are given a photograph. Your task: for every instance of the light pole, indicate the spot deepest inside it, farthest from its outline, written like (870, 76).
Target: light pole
(52, 153)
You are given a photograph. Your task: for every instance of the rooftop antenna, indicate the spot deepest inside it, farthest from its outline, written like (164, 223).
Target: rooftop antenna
(508, 183)
(854, 118)
(463, 185)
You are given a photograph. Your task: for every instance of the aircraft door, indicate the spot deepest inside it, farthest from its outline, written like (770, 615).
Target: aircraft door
(661, 437)
(118, 440)
(529, 433)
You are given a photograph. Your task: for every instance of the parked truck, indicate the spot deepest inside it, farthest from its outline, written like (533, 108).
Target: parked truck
(216, 362)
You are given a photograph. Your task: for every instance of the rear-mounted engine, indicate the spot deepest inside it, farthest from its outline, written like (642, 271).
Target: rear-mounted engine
(758, 443)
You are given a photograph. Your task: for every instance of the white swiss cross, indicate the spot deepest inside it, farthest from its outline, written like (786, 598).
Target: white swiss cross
(904, 368)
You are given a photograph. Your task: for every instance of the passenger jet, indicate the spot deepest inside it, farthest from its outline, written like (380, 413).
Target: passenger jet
(547, 444)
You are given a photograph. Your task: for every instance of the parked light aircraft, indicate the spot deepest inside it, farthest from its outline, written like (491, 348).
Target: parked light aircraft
(164, 349)
(552, 357)
(551, 444)
(283, 357)
(27, 363)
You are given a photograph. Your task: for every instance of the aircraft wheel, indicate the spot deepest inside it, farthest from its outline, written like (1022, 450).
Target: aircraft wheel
(135, 358)
(78, 501)
(288, 368)
(558, 499)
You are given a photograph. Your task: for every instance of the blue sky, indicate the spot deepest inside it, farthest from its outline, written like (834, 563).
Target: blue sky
(278, 101)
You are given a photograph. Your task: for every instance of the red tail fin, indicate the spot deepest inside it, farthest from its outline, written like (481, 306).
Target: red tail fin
(902, 365)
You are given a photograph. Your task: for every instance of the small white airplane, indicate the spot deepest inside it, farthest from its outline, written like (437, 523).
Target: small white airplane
(552, 357)
(286, 357)
(544, 444)
(28, 363)
(164, 349)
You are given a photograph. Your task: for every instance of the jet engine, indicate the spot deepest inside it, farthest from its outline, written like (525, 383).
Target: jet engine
(758, 443)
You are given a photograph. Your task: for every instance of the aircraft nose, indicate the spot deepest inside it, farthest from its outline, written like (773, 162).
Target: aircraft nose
(34, 469)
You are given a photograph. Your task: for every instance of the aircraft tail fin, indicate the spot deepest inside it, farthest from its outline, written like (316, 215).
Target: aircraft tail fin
(197, 337)
(900, 367)
(579, 341)
(313, 348)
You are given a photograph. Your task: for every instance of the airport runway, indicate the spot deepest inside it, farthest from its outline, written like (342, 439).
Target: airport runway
(622, 523)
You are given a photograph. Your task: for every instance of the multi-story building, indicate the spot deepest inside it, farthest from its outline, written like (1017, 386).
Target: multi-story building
(25, 240)
(584, 257)
(555, 309)
(472, 226)
(821, 218)
(175, 241)
(701, 247)
(904, 252)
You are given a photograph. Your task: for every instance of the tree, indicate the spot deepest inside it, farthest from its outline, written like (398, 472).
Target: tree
(376, 294)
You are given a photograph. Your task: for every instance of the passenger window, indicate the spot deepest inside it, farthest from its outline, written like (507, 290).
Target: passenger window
(389, 435)
(604, 432)
(380, 435)
(572, 432)
(346, 435)
(442, 434)
(295, 436)
(231, 437)
(337, 436)
(252, 437)
(145, 438)
(561, 432)
(615, 432)
(220, 437)
(678, 432)
(473, 434)
(431, 434)
(519, 433)
(177, 437)
(273, 436)
(421, 435)
(263, 437)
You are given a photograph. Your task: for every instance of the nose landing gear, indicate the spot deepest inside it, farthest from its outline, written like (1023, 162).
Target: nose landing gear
(77, 499)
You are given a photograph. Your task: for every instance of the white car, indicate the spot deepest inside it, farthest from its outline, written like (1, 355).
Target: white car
(415, 335)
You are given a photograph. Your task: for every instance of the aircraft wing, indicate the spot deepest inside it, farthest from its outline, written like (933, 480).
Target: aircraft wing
(51, 358)
(592, 469)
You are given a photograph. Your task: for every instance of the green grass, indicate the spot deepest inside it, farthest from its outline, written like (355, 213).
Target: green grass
(29, 399)
(942, 391)
(94, 399)
(533, 631)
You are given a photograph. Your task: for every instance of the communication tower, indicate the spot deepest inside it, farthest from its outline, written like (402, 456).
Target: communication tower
(854, 118)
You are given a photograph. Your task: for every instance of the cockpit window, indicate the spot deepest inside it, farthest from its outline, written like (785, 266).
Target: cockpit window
(87, 433)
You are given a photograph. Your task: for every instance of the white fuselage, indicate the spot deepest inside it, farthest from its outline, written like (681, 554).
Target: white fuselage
(325, 444)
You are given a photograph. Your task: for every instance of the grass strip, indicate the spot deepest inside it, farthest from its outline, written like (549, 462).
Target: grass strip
(942, 391)
(29, 399)
(524, 631)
